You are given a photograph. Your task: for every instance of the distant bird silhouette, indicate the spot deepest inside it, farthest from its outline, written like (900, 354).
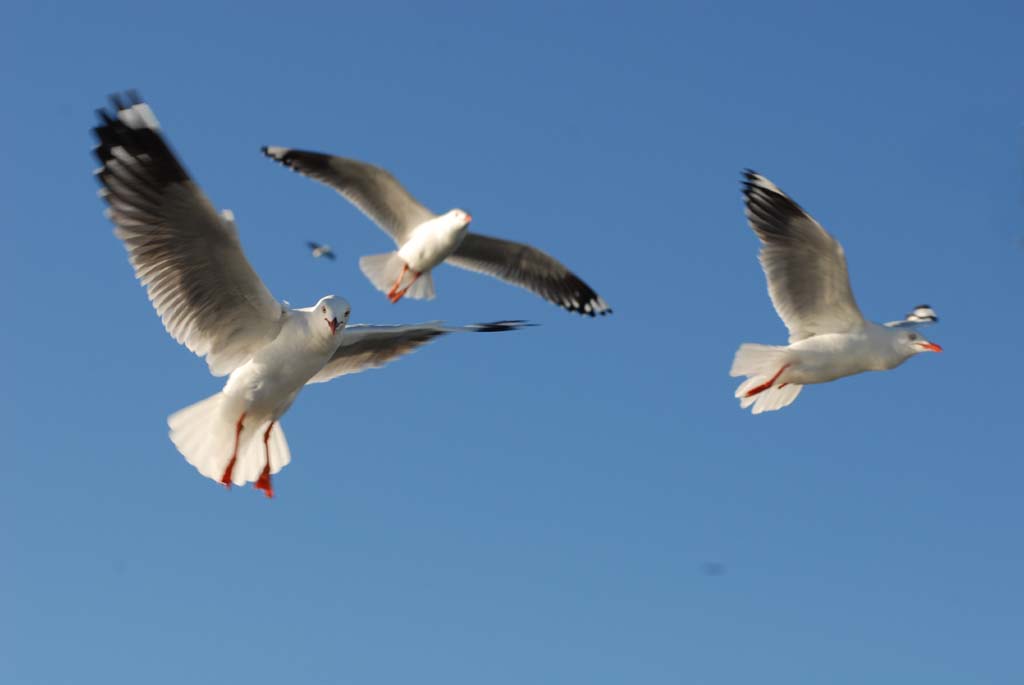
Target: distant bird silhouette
(713, 568)
(321, 250)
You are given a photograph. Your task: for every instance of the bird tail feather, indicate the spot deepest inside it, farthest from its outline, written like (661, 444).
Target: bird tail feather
(204, 433)
(384, 269)
(761, 364)
(422, 288)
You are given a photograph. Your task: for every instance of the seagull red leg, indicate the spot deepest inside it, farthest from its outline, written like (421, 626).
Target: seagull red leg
(400, 294)
(226, 478)
(264, 481)
(765, 386)
(398, 282)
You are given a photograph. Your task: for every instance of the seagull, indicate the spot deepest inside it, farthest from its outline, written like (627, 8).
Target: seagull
(210, 299)
(425, 239)
(807, 281)
(319, 250)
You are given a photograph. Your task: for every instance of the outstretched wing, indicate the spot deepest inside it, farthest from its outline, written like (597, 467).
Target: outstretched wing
(923, 315)
(370, 347)
(805, 266)
(187, 256)
(373, 190)
(529, 268)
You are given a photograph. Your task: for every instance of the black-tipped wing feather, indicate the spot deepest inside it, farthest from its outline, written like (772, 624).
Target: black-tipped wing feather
(804, 265)
(187, 256)
(373, 190)
(923, 315)
(369, 347)
(528, 268)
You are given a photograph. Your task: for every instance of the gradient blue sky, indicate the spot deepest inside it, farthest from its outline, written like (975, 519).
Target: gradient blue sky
(534, 507)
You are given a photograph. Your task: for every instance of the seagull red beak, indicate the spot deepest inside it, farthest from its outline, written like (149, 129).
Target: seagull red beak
(931, 347)
(333, 323)
(468, 219)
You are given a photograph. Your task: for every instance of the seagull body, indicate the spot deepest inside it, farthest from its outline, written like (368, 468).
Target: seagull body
(210, 299)
(810, 288)
(269, 382)
(428, 245)
(425, 240)
(221, 435)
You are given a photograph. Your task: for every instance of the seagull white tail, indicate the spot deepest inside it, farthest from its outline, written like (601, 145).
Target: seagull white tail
(764, 388)
(385, 270)
(206, 433)
(422, 288)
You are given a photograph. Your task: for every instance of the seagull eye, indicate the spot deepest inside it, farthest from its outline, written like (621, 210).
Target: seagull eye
(913, 336)
(323, 309)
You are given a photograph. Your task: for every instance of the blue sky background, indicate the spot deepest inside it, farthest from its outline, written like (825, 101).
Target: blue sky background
(533, 507)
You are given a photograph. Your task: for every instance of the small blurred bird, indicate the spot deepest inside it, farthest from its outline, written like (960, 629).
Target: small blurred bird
(713, 568)
(321, 250)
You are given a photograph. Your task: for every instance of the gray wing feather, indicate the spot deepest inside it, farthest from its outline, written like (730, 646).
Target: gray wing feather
(373, 190)
(528, 268)
(805, 266)
(369, 347)
(189, 258)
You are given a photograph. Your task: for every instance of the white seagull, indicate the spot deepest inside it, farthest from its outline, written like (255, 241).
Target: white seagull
(211, 300)
(425, 239)
(810, 288)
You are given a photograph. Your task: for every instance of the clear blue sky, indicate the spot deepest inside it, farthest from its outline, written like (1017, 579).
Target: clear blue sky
(533, 507)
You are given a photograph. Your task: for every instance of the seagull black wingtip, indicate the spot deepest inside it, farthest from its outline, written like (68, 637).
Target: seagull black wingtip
(118, 102)
(284, 158)
(499, 326)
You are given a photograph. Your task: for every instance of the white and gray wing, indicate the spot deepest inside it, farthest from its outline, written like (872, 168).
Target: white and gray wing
(373, 190)
(805, 266)
(187, 256)
(528, 268)
(923, 315)
(370, 347)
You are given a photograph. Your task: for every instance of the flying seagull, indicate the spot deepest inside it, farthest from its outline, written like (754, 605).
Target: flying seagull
(190, 260)
(810, 288)
(319, 250)
(425, 239)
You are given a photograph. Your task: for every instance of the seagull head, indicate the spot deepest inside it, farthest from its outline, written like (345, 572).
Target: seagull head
(460, 218)
(910, 342)
(334, 311)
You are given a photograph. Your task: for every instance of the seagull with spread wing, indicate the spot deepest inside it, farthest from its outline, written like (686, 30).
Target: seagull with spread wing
(190, 260)
(810, 288)
(425, 239)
